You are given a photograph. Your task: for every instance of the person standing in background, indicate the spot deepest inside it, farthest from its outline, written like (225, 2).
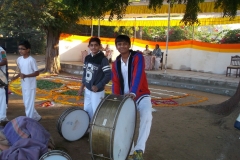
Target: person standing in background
(28, 73)
(109, 53)
(147, 51)
(158, 53)
(3, 89)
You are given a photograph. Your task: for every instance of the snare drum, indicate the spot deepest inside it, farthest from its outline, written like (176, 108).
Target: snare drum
(55, 155)
(112, 129)
(73, 123)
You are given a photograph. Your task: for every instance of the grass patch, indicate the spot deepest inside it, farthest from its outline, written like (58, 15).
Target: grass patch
(70, 92)
(48, 85)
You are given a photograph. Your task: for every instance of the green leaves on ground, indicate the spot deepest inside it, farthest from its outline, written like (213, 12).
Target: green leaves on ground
(48, 85)
(70, 92)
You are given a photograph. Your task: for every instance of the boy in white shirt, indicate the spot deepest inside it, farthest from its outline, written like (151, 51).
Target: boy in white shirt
(28, 72)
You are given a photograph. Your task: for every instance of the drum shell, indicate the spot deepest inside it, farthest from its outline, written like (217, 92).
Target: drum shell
(102, 132)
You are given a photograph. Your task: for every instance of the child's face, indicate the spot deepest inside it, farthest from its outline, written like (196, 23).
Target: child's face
(23, 50)
(94, 47)
(123, 47)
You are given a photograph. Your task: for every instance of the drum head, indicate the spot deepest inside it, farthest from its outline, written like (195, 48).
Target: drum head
(73, 123)
(55, 155)
(124, 130)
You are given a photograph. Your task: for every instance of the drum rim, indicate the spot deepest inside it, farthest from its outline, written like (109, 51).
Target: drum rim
(63, 116)
(112, 137)
(55, 151)
(92, 122)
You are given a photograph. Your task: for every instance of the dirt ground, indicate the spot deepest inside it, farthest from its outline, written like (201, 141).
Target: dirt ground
(177, 133)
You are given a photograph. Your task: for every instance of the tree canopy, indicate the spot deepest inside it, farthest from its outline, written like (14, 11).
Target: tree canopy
(190, 17)
(58, 16)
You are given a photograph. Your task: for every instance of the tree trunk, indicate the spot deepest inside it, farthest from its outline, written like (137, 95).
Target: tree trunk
(52, 51)
(225, 108)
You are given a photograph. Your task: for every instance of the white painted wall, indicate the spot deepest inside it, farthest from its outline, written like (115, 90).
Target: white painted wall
(179, 59)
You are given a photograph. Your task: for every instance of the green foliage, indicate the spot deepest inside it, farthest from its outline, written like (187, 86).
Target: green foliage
(232, 36)
(192, 8)
(48, 85)
(70, 92)
(125, 30)
(210, 34)
(35, 37)
(98, 9)
(191, 14)
(176, 33)
(229, 7)
(105, 31)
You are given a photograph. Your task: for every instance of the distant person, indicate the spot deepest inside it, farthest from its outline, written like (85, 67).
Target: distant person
(28, 71)
(3, 89)
(157, 52)
(96, 74)
(147, 51)
(108, 53)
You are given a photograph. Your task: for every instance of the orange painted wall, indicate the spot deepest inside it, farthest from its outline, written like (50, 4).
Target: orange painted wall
(225, 48)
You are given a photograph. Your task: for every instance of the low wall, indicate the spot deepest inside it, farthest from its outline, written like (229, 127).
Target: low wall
(184, 55)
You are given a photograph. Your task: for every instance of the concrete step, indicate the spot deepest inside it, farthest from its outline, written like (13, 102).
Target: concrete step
(227, 91)
(73, 69)
(193, 80)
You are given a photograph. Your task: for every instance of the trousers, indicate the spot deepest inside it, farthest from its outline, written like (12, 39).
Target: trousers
(144, 107)
(29, 103)
(91, 101)
(3, 105)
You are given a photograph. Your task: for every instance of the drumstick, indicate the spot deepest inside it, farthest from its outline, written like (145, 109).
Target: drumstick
(19, 69)
(15, 71)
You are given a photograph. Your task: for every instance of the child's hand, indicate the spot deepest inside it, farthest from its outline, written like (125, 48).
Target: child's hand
(22, 76)
(13, 78)
(80, 92)
(94, 88)
(130, 95)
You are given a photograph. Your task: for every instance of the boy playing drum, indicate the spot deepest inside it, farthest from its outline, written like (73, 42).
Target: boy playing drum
(129, 79)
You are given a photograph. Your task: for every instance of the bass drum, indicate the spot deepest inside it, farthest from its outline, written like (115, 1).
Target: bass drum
(73, 123)
(55, 155)
(113, 128)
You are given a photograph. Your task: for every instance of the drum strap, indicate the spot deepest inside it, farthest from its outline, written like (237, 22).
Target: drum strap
(3, 72)
(2, 84)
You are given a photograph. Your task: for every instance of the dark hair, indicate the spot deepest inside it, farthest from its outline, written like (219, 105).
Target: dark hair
(95, 39)
(122, 38)
(26, 44)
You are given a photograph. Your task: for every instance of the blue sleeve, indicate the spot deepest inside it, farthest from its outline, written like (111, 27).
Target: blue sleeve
(138, 69)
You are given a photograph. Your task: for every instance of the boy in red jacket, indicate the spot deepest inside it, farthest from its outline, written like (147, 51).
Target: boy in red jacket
(129, 79)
